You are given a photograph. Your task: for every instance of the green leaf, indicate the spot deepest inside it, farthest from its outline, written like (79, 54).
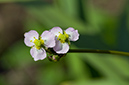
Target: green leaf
(103, 64)
(68, 7)
(51, 17)
(77, 68)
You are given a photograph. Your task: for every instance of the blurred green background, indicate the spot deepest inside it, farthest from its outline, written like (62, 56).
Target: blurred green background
(102, 24)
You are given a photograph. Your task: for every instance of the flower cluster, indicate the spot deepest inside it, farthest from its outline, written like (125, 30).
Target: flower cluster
(54, 42)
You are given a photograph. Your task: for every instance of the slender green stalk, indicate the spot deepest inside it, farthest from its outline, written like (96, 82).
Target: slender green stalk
(98, 51)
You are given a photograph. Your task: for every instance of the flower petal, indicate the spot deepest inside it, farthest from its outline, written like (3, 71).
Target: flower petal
(73, 34)
(61, 48)
(56, 30)
(49, 39)
(38, 54)
(29, 37)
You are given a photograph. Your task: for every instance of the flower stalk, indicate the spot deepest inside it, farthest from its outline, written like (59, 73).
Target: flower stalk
(98, 51)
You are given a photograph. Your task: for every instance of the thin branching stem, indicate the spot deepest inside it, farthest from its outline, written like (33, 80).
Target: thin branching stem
(98, 51)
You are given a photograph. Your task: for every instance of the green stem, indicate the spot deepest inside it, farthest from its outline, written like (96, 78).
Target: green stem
(98, 51)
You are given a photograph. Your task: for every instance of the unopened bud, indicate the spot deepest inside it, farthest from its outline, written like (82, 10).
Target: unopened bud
(55, 58)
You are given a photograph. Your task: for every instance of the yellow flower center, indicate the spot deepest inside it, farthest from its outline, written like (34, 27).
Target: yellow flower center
(38, 43)
(63, 37)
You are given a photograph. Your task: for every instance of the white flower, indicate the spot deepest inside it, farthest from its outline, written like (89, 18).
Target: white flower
(46, 40)
(63, 38)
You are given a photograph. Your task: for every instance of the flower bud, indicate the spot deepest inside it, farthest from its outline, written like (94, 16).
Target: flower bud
(55, 58)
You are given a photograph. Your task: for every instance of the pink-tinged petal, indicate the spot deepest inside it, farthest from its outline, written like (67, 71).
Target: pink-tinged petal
(61, 48)
(29, 37)
(73, 34)
(58, 46)
(70, 29)
(38, 54)
(49, 39)
(56, 31)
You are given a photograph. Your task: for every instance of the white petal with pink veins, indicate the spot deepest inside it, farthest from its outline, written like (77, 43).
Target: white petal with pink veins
(73, 34)
(30, 37)
(56, 31)
(38, 54)
(61, 48)
(49, 39)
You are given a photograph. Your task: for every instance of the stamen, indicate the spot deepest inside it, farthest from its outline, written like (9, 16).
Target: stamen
(30, 40)
(38, 43)
(42, 41)
(63, 37)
